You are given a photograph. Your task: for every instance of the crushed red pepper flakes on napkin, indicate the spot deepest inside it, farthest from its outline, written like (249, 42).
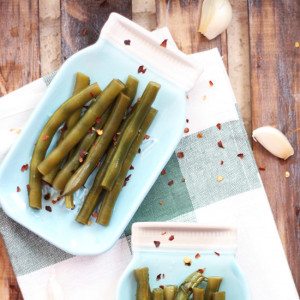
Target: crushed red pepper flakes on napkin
(219, 126)
(162, 287)
(201, 271)
(240, 155)
(197, 255)
(199, 135)
(171, 237)
(127, 42)
(262, 169)
(163, 172)
(220, 144)
(217, 253)
(95, 214)
(24, 168)
(163, 233)
(142, 69)
(180, 154)
(131, 167)
(160, 276)
(164, 43)
(222, 162)
(48, 208)
(171, 182)
(18, 189)
(146, 137)
(211, 83)
(187, 120)
(139, 151)
(47, 196)
(186, 130)
(156, 243)
(28, 188)
(45, 137)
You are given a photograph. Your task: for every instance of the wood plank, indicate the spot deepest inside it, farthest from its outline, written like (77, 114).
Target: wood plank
(81, 21)
(144, 13)
(275, 87)
(19, 64)
(183, 18)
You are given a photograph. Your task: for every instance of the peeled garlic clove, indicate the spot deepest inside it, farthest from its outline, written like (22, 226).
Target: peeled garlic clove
(215, 17)
(274, 141)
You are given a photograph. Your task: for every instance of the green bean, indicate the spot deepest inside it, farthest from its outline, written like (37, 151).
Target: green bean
(142, 279)
(110, 198)
(185, 289)
(100, 146)
(131, 87)
(92, 198)
(170, 292)
(198, 294)
(81, 82)
(213, 285)
(129, 135)
(158, 294)
(81, 128)
(69, 201)
(219, 296)
(46, 135)
(73, 162)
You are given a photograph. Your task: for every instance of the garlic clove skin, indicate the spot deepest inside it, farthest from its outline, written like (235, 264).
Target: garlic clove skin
(274, 141)
(215, 17)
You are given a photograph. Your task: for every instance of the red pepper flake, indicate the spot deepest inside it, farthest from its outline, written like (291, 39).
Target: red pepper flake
(131, 167)
(162, 287)
(221, 162)
(201, 271)
(146, 137)
(163, 233)
(199, 135)
(95, 214)
(63, 129)
(18, 189)
(171, 238)
(197, 255)
(163, 172)
(211, 83)
(142, 69)
(139, 151)
(217, 253)
(24, 168)
(164, 43)
(47, 196)
(160, 276)
(82, 155)
(180, 154)
(98, 120)
(219, 126)
(28, 188)
(186, 130)
(91, 130)
(262, 169)
(45, 137)
(171, 182)
(220, 144)
(127, 42)
(187, 120)
(48, 208)
(156, 243)
(128, 177)
(240, 155)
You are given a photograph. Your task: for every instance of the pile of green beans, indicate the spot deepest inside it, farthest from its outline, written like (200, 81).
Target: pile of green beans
(100, 130)
(196, 286)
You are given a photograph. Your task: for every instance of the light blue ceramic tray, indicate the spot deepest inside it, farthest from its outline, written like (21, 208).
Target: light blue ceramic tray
(108, 58)
(189, 239)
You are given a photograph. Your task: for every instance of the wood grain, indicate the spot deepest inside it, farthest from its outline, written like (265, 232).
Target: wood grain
(275, 87)
(81, 21)
(182, 18)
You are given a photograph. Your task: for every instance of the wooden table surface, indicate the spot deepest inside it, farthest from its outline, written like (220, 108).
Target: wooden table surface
(258, 50)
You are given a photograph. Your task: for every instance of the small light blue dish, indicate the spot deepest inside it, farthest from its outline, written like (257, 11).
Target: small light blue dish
(215, 245)
(108, 58)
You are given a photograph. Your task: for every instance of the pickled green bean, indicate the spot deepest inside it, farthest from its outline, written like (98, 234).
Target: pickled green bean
(142, 279)
(100, 146)
(82, 127)
(185, 289)
(81, 82)
(131, 86)
(158, 294)
(129, 135)
(46, 135)
(213, 285)
(73, 162)
(110, 198)
(170, 292)
(69, 201)
(219, 296)
(198, 293)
